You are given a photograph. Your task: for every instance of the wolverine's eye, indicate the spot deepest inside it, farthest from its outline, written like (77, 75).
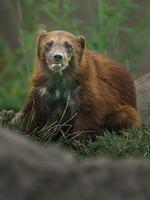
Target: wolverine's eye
(68, 46)
(49, 45)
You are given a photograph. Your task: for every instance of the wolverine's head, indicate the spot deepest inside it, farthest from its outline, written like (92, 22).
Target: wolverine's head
(59, 50)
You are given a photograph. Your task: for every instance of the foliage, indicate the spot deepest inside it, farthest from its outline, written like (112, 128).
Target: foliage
(112, 23)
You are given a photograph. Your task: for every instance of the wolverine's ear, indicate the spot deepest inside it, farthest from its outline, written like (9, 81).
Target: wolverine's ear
(40, 36)
(82, 41)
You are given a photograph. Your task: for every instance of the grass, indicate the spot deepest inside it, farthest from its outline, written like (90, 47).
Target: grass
(132, 143)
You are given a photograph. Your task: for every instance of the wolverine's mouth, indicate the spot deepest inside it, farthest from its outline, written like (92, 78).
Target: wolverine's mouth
(57, 67)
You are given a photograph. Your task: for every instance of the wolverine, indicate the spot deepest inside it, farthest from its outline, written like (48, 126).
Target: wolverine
(72, 82)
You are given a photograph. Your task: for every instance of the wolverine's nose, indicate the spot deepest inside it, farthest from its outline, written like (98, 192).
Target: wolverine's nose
(58, 57)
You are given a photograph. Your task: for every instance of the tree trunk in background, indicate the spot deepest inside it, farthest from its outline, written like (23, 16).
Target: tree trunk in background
(86, 11)
(10, 21)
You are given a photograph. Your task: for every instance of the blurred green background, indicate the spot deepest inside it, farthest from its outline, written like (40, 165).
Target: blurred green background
(119, 28)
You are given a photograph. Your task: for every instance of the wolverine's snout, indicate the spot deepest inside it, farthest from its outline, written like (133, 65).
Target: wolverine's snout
(58, 57)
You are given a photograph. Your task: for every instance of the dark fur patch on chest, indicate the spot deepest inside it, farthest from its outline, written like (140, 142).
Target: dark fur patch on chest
(60, 97)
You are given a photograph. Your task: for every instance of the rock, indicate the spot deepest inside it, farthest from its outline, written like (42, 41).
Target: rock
(29, 171)
(143, 97)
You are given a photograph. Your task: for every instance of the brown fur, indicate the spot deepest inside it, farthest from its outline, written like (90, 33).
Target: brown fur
(102, 91)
